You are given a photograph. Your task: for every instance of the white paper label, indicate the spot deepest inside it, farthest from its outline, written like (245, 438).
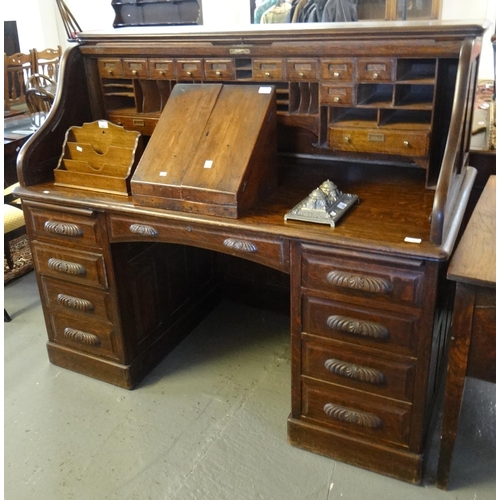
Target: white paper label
(163, 174)
(208, 164)
(79, 148)
(341, 205)
(103, 124)
(265, 90)
(413, 240)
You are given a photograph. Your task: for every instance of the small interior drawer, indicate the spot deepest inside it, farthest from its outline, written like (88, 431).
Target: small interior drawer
(219, 69)
(142, 124)
(135, 68)
(356, 413)
(161, 68)
(110, 67)
(268, 69)
(337, 69)
(374, 70)
(335, 94)
(302, 69)
(189, 69)
(78, 267)
(350, 367)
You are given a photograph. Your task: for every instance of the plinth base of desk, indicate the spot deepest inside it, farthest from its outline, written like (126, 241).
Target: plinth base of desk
(395, 463)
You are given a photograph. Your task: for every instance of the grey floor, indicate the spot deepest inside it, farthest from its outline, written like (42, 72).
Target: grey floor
(208, 423)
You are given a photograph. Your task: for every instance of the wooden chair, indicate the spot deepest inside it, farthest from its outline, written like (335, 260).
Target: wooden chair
(46, 62)
(13, 222)
(17, 70)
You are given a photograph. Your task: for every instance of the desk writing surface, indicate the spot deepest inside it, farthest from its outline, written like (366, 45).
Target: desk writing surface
(474, 259)
(394, 204)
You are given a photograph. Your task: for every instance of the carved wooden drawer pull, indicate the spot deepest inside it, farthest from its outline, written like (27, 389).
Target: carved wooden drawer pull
(64, 228)
(143, 229)
(359, 282)
(64, 266)
(240, 245)
(344, 414)
(75, 302)
(82, 337)
(356, 372)
(357, 327)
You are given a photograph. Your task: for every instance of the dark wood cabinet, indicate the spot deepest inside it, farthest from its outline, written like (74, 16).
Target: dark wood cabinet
(383, 111)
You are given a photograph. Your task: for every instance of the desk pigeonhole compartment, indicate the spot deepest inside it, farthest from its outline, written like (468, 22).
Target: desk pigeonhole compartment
(99, 156)
(213, 151)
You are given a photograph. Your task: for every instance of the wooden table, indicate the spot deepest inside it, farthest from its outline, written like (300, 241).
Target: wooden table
(472, 345)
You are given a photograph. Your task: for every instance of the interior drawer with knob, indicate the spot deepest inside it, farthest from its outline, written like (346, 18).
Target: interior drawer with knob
(82, 227)
(110, 67)
(219, 69)
(161, 69)
(85, 268)
(375, 70)
(337, 69)
(71, 298)
(302, 69)
(372, 328)
(135, 68)
(189, 69)
(268, 69)
(144, 125)
(356, 413)
(335, 94)
(360, 369)
(379, 140)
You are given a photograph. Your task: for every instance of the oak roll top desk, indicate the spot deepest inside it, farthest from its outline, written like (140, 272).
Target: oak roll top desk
(382, 109)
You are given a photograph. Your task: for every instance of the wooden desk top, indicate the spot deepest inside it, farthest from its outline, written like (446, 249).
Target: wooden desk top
(474, 260)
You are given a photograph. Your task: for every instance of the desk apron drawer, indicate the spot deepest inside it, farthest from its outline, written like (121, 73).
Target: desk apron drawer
(356, 413)
(84, 268)
(270, 251)
(336, 363)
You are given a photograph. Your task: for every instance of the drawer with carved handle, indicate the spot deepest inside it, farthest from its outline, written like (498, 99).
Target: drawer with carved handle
(78, 267)
(379, 140)
(76, 227)
(351, 367)
(71, 298)
(368, 281)
(90, 335)
(356, 413)
(361, 325)
(272, 251)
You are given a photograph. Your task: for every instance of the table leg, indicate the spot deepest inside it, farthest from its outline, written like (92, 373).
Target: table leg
(463, 310)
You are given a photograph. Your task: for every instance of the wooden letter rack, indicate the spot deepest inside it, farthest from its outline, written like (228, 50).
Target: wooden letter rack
(213, 151)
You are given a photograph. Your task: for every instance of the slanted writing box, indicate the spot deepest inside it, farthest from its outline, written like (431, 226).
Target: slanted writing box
(213, 151)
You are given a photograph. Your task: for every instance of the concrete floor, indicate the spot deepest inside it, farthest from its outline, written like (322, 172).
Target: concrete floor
(209, 423)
